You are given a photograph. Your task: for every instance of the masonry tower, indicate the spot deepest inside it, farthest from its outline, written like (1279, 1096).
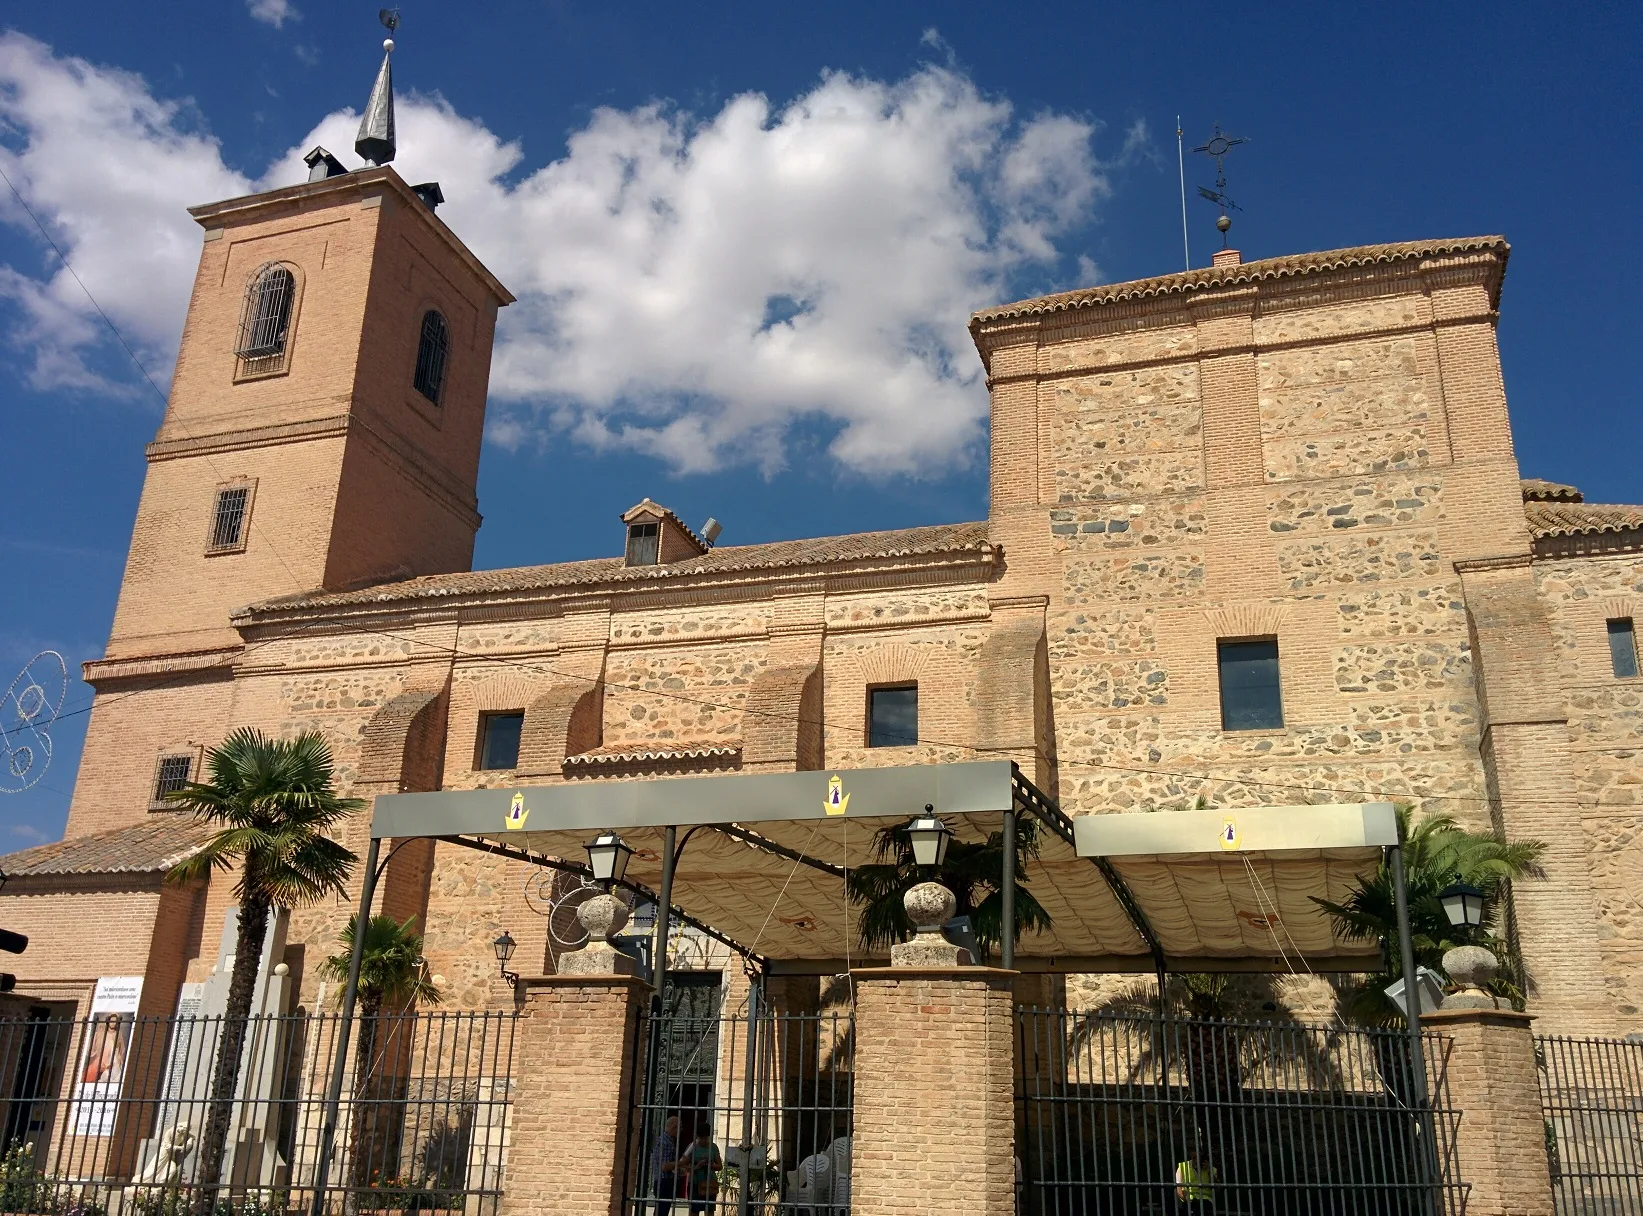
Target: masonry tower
(323, 431)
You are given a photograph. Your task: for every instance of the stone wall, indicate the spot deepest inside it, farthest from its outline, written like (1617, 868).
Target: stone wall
(1605, 727)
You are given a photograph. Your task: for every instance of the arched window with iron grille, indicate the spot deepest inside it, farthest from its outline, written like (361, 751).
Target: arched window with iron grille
(265, 327)
(430, 356)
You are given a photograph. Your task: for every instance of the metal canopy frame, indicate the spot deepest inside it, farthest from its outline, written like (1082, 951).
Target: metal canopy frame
(727, 804)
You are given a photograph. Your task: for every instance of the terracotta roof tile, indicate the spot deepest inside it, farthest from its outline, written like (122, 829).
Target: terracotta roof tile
(1244, 272)
(821, 551)
(1537, 489)
(1580, 519)
(157, 843)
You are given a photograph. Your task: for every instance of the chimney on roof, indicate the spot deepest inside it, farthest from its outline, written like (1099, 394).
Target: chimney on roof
(1228, 257)
(375, 141)
(321, 165)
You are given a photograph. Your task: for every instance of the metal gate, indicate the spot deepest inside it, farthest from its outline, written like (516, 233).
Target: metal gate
(1591, 1095)
(740, 1109)
(1126, 1114)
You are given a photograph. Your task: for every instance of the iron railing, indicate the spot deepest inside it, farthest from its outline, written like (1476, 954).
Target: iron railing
(777, 1135)
(1284, 1118)
(107, 1115)
(1591, 1096)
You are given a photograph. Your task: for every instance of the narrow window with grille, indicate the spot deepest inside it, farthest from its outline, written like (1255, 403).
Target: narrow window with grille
(643, 540)
(228, 518)
(430, 356)
(171, 775)
(266, 323)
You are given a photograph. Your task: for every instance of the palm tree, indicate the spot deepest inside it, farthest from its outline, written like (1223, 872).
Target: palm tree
(392, 974)
(273, 801)
(973, 872)
(1437, 851)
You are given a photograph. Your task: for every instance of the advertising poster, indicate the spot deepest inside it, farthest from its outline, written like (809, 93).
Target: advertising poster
(102, 1067)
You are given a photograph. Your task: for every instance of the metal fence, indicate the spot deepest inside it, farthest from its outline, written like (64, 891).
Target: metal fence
(107, 1115)
(712, 1134)
(1126, 1114)
(1591, 1096)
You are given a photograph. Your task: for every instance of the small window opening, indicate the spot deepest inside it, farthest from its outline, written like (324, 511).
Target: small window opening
(1251, 697)
(228, 518)
(171, 775)
(430, 356)
(265, 326)
(1623, 648)
(499, 739)
(892, 716)
(643, 541)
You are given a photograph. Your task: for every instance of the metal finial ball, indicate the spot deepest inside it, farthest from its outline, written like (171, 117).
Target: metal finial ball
(387, 44)
(1224, 223)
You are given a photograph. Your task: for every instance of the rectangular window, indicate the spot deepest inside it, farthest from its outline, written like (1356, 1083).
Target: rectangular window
(1250, 694)
(892, 716)
(642, 542)
(499, 740)
(1623, 648)
(228, 518)
(171, 775)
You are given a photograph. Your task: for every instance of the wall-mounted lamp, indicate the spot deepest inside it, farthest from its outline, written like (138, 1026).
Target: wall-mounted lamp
(504, 947)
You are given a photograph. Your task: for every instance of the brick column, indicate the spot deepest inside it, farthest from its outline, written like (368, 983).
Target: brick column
(934, 1108)
(1501, 1139)
(574, 1064)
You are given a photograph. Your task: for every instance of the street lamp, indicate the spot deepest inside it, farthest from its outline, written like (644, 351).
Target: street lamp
(608, 858)
(504, 947)
(1462, 904)
(929, 837)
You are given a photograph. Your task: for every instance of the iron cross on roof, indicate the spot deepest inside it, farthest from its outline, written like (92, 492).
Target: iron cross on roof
(1218, 146)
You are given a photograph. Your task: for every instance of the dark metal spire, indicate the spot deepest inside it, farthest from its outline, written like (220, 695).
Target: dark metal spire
(375, 141)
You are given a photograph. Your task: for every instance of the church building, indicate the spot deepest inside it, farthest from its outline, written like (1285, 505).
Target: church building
(1257, 536)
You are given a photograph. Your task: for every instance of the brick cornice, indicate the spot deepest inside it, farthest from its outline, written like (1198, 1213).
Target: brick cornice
(94, 671)
(696, 590)
(1504, 561)
(241, 438)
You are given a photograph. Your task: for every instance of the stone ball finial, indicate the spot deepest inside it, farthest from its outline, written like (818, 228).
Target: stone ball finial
(602, 916)
(929, 906)
(1471, 967)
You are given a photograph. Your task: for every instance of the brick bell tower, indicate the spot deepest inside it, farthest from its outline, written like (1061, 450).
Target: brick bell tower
(323, 431)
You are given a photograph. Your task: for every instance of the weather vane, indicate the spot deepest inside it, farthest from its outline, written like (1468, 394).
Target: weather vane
(1218, 147)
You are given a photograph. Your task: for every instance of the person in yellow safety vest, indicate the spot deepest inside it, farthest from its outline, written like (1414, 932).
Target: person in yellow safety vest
(1195, 1184)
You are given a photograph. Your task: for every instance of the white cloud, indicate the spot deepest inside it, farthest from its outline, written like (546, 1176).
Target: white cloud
(273, 12)
(694, 288)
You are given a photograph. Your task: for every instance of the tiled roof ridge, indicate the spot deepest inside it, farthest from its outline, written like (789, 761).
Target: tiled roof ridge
(1538, 489)
(642, 752)
(155, 844)
(1204, 277)
(1548, 519)
(925, 540)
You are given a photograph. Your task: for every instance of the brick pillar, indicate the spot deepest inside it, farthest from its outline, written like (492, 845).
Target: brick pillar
(574, 1064)
(934, 1108)
(1501, 1139)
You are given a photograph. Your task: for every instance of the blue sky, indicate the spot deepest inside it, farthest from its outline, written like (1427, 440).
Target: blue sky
(948, 156)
